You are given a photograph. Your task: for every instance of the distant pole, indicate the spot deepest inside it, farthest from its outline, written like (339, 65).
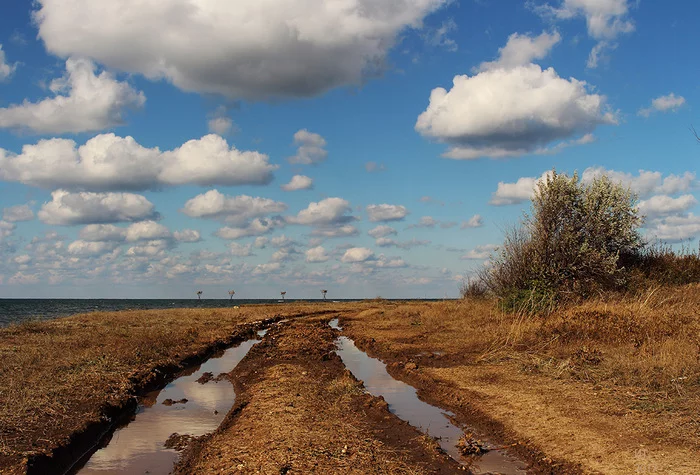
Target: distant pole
(283, 294)
(199, 294)
(231, 293)
(324, 292)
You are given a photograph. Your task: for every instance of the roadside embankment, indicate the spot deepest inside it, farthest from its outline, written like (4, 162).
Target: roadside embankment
(64, 382)
(609, 386)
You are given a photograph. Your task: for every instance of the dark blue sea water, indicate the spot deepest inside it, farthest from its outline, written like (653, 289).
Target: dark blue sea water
(20, 310)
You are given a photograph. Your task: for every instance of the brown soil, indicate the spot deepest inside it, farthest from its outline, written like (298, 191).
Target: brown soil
(64, 382)
(590, 402)
(299, 411)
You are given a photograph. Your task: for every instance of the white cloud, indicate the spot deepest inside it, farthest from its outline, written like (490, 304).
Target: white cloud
(439, 36)
(108, 162)
(231, 209)
(381, 231)
(18, 213)
(68, 209)
(475, 221)
(605, 19)
(150, 248)
(662, 205)
(388, 242)
(316, 254)
(240, 250)
(480, 252)
(82, 248)
(346, 230)
(102, 232)
(330, 211)
(187, 235)
(6, 69)
(270, 267)
(6, 228)
(425, 222)
(299, 182)
(386, 212)
(511, 111)
(645, 183)
(518, 192)
(260, 242)
(357, 254)
(521, 50)
(310, 148)
(671, 102)
(242, 49)
(84, 102)
(676, 228)
(256, 227)
(220, 125)
(147, 231)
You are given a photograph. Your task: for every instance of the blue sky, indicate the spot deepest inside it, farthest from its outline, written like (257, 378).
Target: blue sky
(152, 149)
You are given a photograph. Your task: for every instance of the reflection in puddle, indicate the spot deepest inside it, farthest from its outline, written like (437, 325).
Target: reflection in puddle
(139, 446)
(404, 403)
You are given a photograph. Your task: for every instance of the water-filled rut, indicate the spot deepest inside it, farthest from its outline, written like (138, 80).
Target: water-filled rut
(403, 401)
(193, 404)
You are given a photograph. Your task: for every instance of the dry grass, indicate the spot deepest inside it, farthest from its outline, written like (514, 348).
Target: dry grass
(57, 376)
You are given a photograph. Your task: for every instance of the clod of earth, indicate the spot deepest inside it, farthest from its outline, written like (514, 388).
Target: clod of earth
(170, 402)
(469, 445)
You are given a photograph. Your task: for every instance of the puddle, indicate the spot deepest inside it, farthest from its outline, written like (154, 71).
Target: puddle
(403, 401)
(139, 447)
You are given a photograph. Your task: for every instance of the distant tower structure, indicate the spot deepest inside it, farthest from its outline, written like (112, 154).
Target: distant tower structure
(231, 293)
(283, 294)
(199, 294)
(324, 292)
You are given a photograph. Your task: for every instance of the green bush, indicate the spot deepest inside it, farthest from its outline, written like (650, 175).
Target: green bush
(571, 244)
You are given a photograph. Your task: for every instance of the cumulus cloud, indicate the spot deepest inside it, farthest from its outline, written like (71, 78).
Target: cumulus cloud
(82, 248)
(310, 149)
(242, 49)
(6, 69)
(663, 205)
(219, 122)
(231, 209)
(330, 211)
(108, 163)
(522, 49)
(510, 109)
(18, 213)
(257, 227)
(385, 213)
(671, 102)
(480, 252)
(676, 228)
(187, 235)
(240, 250)
(518, 192)
(298, 182)
(6, 228)
(316, 254)
(425, 222)
(381, 231)
(102, 232)
(475, 221)
(605, 19)
(646, 182)
(357, 254)
(67, 209)
(147, 231)
(83, 102)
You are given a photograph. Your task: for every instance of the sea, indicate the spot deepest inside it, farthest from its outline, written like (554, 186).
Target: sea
(22, 310)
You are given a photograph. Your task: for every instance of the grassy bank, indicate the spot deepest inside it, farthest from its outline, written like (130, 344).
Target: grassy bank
(59, 377)
(611, 384)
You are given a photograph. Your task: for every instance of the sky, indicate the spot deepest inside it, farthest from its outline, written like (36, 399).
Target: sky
(366, 147)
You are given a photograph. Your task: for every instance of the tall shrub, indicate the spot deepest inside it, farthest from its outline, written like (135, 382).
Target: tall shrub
(570, 244)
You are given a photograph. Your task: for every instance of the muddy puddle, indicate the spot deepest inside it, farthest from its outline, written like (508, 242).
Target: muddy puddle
(403, 401)
(194, 404)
